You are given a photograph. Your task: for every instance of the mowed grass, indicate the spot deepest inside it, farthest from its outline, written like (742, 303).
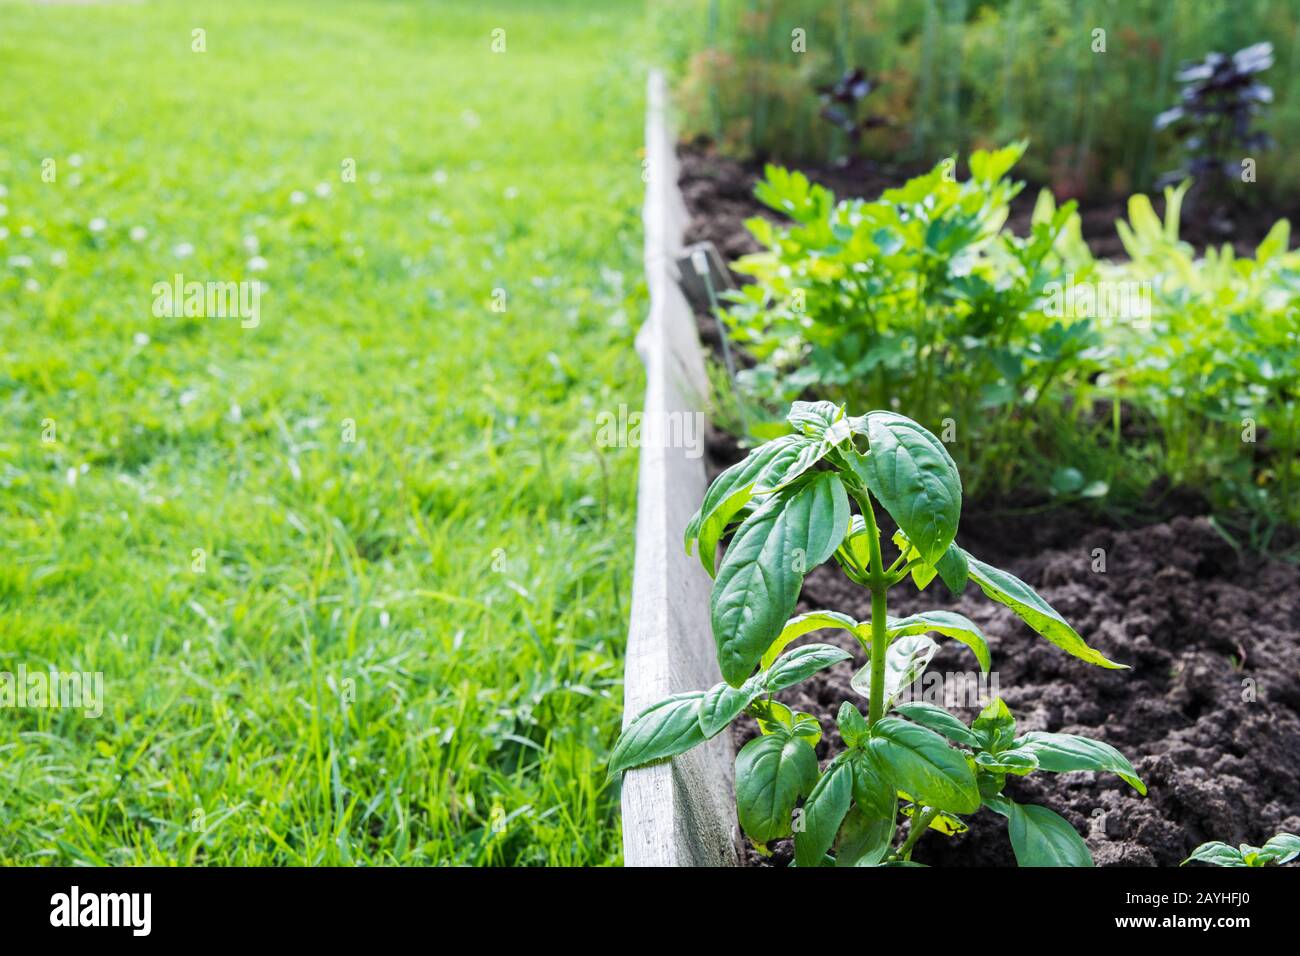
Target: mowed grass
(403, 648)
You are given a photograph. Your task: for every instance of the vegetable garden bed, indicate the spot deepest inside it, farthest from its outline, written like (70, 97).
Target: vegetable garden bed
(1209, 713)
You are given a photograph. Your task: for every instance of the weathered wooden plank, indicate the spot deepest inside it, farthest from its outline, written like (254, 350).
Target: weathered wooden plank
(679, 813)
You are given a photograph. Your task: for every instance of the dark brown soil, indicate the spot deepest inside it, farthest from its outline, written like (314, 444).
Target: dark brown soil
(720, 195)
(1209, 714)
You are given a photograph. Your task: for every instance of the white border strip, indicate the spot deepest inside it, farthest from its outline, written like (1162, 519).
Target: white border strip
(679, 813)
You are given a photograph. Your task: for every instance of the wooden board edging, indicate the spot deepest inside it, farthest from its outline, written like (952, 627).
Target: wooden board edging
(682, 812)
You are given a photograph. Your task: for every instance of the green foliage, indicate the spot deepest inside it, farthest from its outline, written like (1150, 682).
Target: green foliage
(1027, 351)
(919, 297)
(955, 76)
(1278, 851)
(913, 759)
(1217, 365)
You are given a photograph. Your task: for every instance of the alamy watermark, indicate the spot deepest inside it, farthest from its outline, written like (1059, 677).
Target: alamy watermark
(633, 429)
(76, 690)
(951, 689)
(1127, 300)
(211, 300)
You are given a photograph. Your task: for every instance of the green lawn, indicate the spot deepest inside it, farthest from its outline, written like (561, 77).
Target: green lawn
(404, 648)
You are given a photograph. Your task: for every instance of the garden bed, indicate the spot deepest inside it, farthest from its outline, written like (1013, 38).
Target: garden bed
(1209, 712)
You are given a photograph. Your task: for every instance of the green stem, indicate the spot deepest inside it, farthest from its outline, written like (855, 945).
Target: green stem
(904, 571)
(876, 709)
(878, 582)
(920, 823)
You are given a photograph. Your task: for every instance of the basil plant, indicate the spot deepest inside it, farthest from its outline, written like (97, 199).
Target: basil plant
(788, 507)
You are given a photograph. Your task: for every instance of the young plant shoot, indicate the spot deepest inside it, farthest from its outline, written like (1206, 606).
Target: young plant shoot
(1278, 851)
(788, 507)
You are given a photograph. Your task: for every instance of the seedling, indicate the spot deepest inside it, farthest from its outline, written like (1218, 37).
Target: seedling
(1280, 850)
(789, 507)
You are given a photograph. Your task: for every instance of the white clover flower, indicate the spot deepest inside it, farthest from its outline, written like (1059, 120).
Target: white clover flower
(140, 338)
(74, 160)
(184, 250)
(251, 244)
(322, 189)
(98, 224)
(139, 233)
(4, 233)
(59, 258)
(297, 197)
(31, 285)
(4, 210)
(27, 232)
(257, 264)
(20, 262)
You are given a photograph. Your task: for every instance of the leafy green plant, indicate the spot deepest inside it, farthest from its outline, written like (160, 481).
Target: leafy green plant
(1280, 850)
(788, 507)
(1217, 365)
(922, 299)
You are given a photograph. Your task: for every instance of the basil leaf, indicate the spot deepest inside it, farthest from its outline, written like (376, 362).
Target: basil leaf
(865, 839)
(905, 660)
(813, 418)
(1282, 848)
(823, 812)
(873, 790)
(1018, 762)
(1220, 854)
(761, 574)
(948, 623)
(803, 624)
(723, 703)
(913, 476)
(1007, 589)
(808, 727)
(853, 726)
(1039, 836)
(954, 569)
(995, 727)
(922, 763)
(778, 719)
(771, 774)
(939, 720)
(801, 663)
(668, 728)
(735, 487)
(1060, 753)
